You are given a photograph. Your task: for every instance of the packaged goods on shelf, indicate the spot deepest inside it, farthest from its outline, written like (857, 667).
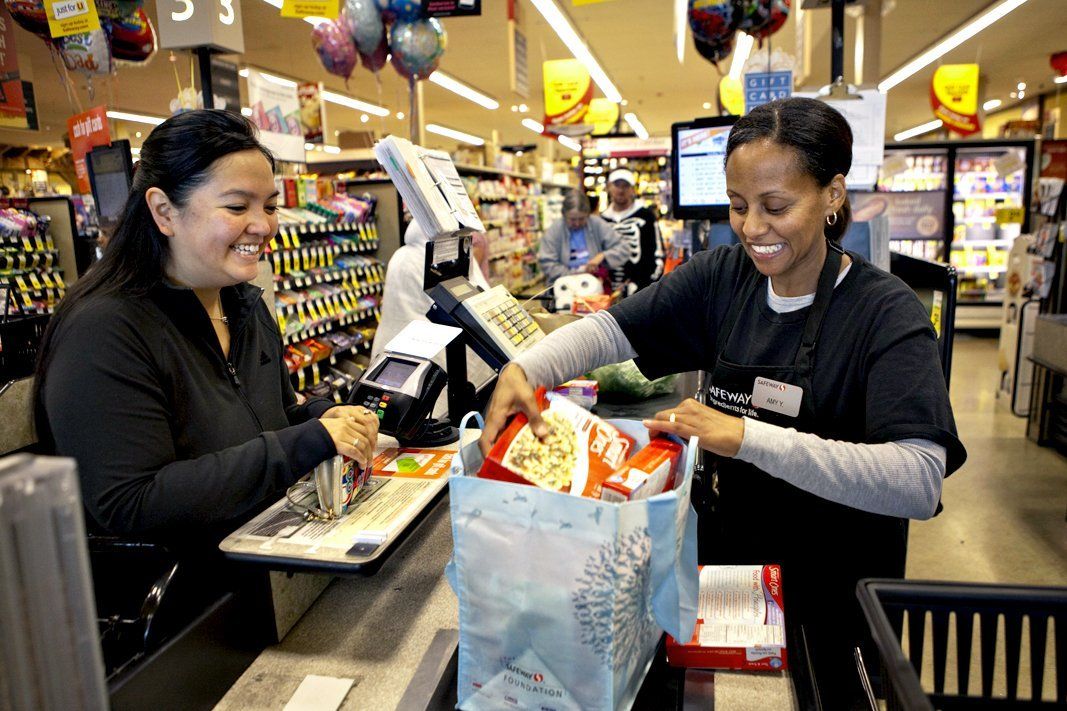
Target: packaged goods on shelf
(740, 621)
(580, 452)
(31, 281)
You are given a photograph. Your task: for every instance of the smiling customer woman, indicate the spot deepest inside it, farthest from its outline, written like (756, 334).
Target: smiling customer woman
(161, 372)
(827, 409)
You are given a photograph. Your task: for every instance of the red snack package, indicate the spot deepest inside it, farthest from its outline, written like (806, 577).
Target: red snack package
(580, 452)
(649, 472)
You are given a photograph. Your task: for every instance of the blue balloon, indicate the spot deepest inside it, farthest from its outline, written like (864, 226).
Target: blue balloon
(417, 47)
(364, 24)
(403, 10)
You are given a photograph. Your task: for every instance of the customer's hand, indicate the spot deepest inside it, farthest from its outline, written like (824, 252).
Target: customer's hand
(354, 431)
(513, 394)
(717, 432)
(594, 264)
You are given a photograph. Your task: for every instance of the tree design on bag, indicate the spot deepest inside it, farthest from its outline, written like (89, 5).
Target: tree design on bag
(613, 598)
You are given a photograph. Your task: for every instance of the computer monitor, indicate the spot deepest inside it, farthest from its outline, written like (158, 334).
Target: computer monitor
(698, 170)
(110, 176)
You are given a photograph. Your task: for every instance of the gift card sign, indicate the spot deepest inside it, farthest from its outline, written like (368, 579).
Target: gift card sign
(71, 17)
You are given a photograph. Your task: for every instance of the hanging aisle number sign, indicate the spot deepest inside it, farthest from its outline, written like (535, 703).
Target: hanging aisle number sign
(201, 23)
(71, 17)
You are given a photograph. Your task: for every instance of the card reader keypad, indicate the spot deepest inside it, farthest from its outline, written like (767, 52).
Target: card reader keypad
(376, 404)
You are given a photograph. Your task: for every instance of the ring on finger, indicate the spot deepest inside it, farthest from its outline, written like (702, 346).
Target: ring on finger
(673, 417)
(355, 443)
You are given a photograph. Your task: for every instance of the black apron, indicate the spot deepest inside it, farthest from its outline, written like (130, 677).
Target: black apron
(823, 547)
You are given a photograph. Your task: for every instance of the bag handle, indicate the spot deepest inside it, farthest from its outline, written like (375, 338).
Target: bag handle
(462, 430)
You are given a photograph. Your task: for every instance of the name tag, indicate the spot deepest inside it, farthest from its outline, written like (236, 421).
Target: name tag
(777, 397)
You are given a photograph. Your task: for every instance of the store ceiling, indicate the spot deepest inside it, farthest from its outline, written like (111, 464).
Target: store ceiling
(632, 38)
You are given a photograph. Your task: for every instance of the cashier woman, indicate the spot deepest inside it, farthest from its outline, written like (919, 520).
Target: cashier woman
(827, 408)
(161, 372)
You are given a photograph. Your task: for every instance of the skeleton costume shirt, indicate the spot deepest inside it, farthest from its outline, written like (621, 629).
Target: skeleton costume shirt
(638, 230)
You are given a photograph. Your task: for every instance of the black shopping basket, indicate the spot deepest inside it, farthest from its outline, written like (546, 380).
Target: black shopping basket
(20, 337)
(953, 609)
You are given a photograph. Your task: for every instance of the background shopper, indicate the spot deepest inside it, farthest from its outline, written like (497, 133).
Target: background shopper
(579, 242)
(822, 449)
(636, 225)
(161, 372)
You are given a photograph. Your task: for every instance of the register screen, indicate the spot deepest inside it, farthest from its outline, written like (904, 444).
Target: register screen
(701, 173)
(395, 373)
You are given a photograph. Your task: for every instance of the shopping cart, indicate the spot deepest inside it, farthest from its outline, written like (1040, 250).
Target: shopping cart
(950, 611)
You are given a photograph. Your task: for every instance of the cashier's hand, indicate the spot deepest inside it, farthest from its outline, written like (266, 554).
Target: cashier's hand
(717, 432)
(513, 394)
(354, 431)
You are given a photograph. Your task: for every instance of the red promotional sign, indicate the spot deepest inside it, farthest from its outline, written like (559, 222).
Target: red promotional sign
(86, 131)
(12, 103)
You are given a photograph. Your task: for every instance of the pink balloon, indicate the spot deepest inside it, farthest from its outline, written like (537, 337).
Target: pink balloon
(333, 44)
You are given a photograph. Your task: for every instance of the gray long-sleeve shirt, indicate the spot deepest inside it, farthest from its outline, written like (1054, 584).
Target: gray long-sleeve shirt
(553, 253)
(895, 478)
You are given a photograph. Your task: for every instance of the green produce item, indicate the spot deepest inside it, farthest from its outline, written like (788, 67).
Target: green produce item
(624, 380)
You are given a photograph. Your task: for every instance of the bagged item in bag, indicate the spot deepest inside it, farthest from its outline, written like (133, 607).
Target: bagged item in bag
(579, 453)
(649, 472)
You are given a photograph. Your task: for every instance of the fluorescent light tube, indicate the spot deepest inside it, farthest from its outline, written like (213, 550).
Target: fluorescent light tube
(315, 21)
(356, 104)
(452, 133)
(137, 118)
(949, 43)
(244, 72)
(576, 44)
(275, 3)
(636, 125)
(919, 130)
(569, 143)
(991, 104)
(245, 111)
(1061, 80)
(533, 125)
(457, 87)
(741, 51)
(331, 149)
(280, 81)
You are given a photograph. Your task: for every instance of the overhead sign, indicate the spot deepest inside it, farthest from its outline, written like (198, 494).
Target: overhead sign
(731, 96)
(330, 9)
(568, 93)
(765, 87)
(603, 114)
(451, 8)
(12, 103)
(954, 97)
(71, 17)
(201, 23)
(87, 131)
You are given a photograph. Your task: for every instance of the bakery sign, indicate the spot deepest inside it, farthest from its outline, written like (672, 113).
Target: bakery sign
(954, 97)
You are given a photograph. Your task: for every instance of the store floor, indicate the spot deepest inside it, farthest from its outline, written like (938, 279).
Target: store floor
(1004, 510)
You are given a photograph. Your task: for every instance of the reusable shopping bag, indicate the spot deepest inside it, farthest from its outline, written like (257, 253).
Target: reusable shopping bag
(563, 599)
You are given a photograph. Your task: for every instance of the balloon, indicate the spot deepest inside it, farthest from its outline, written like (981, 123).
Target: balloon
(417, 47)
(712, 20)
(401, 10)
(30, 16)
(133, 39)
(334, 47)
(762, 18)
(118, 9)
(714, 53)
(364, 24)
(376, 59)
(87, 53)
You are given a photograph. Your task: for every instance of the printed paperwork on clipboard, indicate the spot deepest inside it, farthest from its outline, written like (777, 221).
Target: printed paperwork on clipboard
(430, 185)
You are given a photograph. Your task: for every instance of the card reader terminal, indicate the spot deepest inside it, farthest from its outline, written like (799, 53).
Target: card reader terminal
(401, 390)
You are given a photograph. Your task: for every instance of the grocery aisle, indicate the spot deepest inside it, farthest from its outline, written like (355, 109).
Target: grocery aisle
(1004, 510)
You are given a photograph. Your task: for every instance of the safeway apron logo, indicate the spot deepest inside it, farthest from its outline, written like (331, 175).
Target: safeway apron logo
(731, 401)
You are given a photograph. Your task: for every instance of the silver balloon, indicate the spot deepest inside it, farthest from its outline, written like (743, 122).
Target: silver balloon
(365, 24)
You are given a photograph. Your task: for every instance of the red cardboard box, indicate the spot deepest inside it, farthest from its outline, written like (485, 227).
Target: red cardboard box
(580, 452)
(647, 473)
(740, 621)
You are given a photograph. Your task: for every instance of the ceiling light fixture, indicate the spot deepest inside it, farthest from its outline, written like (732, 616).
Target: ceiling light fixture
(245, 111)
(275, 3)
(533, 125)
(569, 143)
(364, 118)
(949, 43)
(315, 21)
(309, 146)
(1060, 80)
(349, 102)
(1022, 94)
(467, 92)
(741, 51)
(918, 130)
(331, 149)
(400, 115)
(136, 118)
(636, 125)
(1021, 86)
(280, 81)
(680, 16)
(706, 105)
(559, 22)
(991, 104)
(453, 133)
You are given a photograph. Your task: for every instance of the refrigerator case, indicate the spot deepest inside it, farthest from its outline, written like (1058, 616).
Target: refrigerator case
(912, 190)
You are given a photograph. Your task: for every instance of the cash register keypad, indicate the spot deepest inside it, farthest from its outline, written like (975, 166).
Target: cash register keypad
(512, 324)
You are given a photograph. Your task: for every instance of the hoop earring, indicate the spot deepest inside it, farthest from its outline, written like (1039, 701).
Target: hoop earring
(832, 222)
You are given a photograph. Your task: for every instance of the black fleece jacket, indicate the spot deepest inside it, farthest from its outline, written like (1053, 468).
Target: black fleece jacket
(170, 436)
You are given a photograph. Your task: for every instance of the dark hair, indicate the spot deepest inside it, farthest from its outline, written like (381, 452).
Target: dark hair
(177, 157)
(575, 199)
(819, 134)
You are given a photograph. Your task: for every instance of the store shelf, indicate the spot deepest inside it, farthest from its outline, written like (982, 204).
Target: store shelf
(957, 197)
(982, 269)
(309, 370)
(346, 319)
(355, 274)
(983, 243)
(485, 170)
